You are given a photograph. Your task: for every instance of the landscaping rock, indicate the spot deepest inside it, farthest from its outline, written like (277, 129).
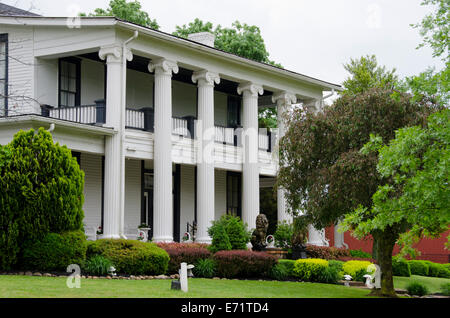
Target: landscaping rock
(29, 273)
(37, 274)
(48, 275)
(161, 277)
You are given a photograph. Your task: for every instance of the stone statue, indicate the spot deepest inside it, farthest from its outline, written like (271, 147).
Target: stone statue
(258, 239)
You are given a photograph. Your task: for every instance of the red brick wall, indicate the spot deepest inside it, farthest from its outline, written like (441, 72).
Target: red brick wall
(430, 249)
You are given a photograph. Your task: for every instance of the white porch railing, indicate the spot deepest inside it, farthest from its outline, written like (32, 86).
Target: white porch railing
(86, 114)
(263, 141)
(180, 127)
(224, 135)
(134, 118)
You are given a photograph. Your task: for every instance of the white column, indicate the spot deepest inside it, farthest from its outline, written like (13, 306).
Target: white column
(284, 100)
(250, 166)
(162, 188)
(114, 159)
(205, 152)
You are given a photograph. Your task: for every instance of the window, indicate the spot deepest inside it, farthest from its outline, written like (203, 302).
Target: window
(233, 111)
(3, 74)
(69, 82)
(234, 193)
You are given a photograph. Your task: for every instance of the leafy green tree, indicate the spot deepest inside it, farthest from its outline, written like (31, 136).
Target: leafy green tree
(128, 11)
(434, 28)
(365, 73)
(42, 192)
(241, 39)
(414, 199)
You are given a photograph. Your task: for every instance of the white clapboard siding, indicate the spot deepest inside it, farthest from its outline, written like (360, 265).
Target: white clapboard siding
(92, 167)
(132, 196)
(220, 185)
(187, 197)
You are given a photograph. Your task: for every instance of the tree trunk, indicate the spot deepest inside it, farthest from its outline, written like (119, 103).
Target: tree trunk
(385, 246)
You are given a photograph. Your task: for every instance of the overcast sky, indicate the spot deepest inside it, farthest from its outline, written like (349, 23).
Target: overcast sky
(312, 37)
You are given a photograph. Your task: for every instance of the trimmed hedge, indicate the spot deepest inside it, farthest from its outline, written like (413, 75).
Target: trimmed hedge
(283, 270)
(419, 267)
(188, 255)
(356, 269)
(244, 264)
(437, 270)
(55, 252)
(400, 267)
(132, 257)
(325, 252)
(360, 254)
(310, 269)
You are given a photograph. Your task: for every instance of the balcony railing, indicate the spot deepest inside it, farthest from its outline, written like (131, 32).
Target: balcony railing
(143, 119)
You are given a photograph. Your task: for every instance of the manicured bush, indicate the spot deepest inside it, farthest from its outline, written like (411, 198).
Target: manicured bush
(331, 275)
(231, 227)
(188, 255)
(336, 264)
(204, 267)
(310, 269)
(175, 245)
(433, 269)
(55, 252)
(41, 192)
(283, 235)
(416, 288)
(360, 254)
(326, 252)
(132, 257)
(97, 265)
(418, 267)
(244, 264)
(356, 269)
(283, 270)
(400, 267)
(445, 289)
(347, 259)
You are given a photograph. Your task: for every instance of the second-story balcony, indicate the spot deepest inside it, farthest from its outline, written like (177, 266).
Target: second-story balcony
(143, 119)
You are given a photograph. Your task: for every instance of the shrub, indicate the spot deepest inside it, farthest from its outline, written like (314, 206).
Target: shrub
(416, 288)
(244, 264)
(336, 264)
(418, 267)
(331, 275)
(41, 192)
(205, 267)
(231, 227)
(176, 245)
(326, 252)
(356, 269)
(346, 259)
(283, 235)
(283, 270)
(188, 255)
(433, 269)
(55, 251)
(400, 267)
(360, 254)
(310, 269)
(132, 257)
(97, 265)
(445, 289)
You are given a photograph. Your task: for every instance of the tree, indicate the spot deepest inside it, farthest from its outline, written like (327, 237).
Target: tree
(365, 73)
(241, 39)
(414, 200)
(128, 11)
(322, 170)
(42, 192)
(434, 28)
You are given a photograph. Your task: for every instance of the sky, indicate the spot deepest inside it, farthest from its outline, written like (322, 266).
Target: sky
(312, 37)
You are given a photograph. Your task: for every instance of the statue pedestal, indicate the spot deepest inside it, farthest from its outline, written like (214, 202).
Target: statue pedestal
(277, 252)
(299, 253)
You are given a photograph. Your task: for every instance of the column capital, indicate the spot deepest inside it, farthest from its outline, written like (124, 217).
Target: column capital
(205, 78)
(163, 66)
(284, 97)
(113, 54)
(251, 88)
(313, 105)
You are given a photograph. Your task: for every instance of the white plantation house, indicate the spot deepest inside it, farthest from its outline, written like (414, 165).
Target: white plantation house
(165, 128)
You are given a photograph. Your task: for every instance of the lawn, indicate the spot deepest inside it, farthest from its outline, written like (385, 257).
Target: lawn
(50, 287)
(55, 287)
(433, 283)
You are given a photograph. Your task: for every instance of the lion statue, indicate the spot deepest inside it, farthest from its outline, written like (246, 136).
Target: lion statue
(258, 239)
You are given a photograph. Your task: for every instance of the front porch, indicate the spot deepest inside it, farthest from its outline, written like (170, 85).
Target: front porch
(139, 196)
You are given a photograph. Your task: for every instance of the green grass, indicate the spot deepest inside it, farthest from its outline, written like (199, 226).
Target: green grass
(50, 287)
(433, 283)
(12, 286)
